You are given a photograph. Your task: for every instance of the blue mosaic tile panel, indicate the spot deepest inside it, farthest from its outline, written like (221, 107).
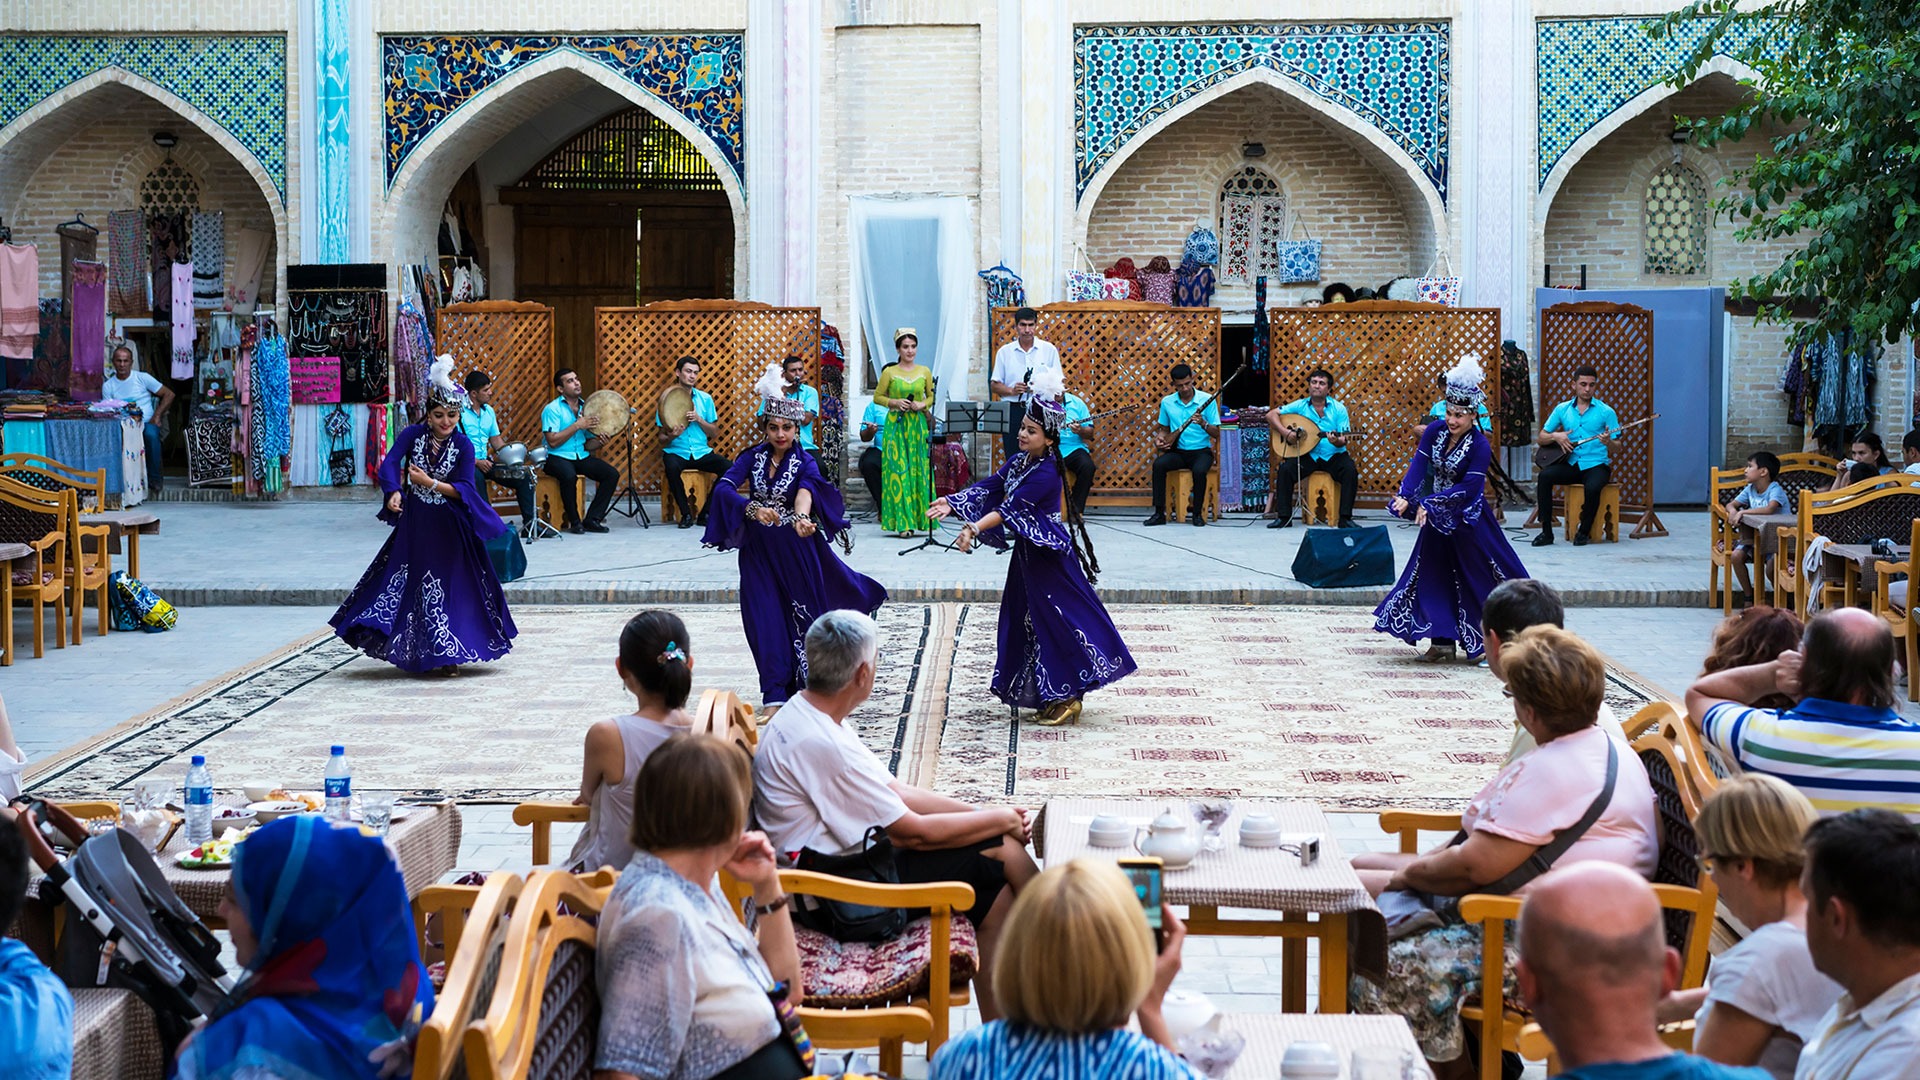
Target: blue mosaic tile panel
(1394, 76)
(1588, 68)
(428, 78)
(239, 81)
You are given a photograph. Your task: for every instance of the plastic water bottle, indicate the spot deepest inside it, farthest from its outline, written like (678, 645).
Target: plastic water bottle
(339, 785)
(199, 801)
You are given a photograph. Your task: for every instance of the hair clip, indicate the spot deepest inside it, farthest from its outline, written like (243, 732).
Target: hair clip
(674, 652)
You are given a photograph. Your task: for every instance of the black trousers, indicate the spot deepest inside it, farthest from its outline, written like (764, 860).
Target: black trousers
(870, 472)
(1291, 472)
(1198, 462)
(522, 489)
(717, 464)
(604, 476)
(1563, 474)
(1082, 465)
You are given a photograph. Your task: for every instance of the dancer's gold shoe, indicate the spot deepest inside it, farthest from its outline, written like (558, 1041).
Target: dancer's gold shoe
(1059, 712)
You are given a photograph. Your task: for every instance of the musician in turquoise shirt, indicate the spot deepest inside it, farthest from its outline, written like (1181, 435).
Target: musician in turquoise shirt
(794, 370)
(872, 423)
(1073, 449)
(1585, 428)
(684, 444)
(1329, 455)
(1193, 451)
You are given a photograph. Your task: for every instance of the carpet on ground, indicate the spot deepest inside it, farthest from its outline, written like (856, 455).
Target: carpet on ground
(1269, 702)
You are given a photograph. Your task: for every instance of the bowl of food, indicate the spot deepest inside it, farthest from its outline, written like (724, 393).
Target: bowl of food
(274, 809)
(232, 817)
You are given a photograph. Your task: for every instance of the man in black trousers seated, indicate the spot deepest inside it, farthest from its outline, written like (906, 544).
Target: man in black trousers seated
(570, 454)
(1191, 449)
(684, 442)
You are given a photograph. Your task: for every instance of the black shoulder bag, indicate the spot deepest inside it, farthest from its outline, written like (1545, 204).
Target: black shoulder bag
(845, 921)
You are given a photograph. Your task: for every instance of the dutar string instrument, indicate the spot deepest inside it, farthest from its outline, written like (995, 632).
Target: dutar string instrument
(1172, 438)
(1544, 456)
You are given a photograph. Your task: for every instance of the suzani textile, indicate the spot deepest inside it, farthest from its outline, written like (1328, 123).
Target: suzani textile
(426, 79)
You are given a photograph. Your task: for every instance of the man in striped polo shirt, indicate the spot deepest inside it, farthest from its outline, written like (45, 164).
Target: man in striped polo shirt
(1844, 745)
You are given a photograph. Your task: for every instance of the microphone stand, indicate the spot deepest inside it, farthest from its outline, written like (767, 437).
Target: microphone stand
(634, 507)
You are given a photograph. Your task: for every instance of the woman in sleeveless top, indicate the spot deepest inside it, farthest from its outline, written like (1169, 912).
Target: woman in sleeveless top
(655, 666)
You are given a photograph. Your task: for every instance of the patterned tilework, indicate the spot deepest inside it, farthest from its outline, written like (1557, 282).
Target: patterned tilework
(428, 78)
(1395, 76)
(1587, 68)
(240, 81)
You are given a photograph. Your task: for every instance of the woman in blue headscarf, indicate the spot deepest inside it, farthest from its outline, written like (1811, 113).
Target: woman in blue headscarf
(332, 984)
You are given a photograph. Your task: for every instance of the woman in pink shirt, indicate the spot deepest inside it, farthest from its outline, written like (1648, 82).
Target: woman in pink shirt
(1510, 832)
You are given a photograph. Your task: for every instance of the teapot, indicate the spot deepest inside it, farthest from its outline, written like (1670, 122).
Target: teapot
(1169, 839)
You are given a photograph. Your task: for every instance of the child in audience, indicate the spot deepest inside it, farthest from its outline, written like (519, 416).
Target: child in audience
(657, 669)
(1762, 495)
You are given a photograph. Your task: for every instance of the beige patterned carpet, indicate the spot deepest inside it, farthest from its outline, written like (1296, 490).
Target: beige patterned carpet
(1302, 703)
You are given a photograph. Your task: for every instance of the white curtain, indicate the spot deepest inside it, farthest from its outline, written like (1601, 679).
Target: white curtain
(913, 266)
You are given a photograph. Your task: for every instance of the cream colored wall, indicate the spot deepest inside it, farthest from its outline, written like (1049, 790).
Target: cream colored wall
(571, 17)
(147, 16)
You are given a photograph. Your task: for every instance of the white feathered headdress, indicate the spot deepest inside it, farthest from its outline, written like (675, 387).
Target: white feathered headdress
(441, 389)
(1047, 405)
(772, 387)
(1463, 382)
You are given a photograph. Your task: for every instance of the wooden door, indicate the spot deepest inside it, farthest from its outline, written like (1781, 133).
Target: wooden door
(686, 247)
(574, 258)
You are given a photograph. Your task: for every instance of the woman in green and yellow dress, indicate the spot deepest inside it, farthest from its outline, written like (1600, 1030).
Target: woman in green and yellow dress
(905, 390)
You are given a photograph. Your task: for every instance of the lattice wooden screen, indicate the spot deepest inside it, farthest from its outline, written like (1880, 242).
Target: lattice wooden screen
(735, 341)
(1385, 357)
(511, 341)
(1617, 340)
(1115, 353)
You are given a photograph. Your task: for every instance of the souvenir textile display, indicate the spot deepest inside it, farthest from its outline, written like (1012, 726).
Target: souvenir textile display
(1156, 281)
(127, 265)
(88, 321)
(209, 234)
(341, 310)
(19, 301)
(1299, 260)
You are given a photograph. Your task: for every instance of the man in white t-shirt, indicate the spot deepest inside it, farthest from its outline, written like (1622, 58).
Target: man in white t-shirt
(1511, 607)
(145, 391)
(1015, 365)
(817, 790)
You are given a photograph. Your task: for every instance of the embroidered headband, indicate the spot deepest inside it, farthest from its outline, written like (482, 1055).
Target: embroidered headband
(1463, 382)
(772, 388)
(1046, 406)
(441, 389)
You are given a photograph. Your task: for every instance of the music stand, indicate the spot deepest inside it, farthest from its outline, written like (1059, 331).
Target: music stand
(966, 418)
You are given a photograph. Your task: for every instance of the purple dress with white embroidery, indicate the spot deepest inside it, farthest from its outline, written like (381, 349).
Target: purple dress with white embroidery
(786, 580)
(1461, 553)
(1057, 641)
(430, 599)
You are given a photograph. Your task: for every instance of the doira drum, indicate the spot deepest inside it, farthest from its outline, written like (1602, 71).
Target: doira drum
(607, 413)
(676, 401)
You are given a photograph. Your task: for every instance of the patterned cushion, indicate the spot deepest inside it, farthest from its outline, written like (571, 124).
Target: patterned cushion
(854, 975)
(23, 577)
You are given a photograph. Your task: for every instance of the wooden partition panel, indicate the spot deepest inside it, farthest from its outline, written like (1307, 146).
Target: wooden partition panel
(1115, 353)
(735, 340)
(1617, 340)
(511, 341)
(1385, 357)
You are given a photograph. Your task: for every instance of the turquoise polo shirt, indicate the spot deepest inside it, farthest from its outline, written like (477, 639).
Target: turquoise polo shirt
(1077, 412)
(480, 426)
(809, 398)
(1174, 412)
(1439, 412)
(692, 443)
(1333, 421)
(1599, 417)
(877, 416)
(555, 417)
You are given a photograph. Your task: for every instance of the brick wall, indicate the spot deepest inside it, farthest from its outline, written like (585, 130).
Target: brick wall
(99, 168)
(1344, 199)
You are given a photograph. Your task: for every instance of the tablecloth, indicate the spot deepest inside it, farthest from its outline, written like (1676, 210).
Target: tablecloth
(114, 1037)
(88, 445)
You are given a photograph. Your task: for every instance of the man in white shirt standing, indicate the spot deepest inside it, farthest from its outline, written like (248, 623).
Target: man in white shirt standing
(1862, 884)
(154, 399)
(1015, 365)
(818, 790)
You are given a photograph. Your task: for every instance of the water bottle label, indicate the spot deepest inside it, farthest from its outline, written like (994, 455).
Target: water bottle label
(339, 787)
(199, 796)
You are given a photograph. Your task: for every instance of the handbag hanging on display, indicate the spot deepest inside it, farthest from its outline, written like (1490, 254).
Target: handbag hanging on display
(1439, 290)
(1298, 260)
(1088, 284)
(843, 921)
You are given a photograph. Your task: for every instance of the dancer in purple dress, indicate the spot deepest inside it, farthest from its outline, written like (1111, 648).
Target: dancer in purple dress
(1056, 640)
(776, 509)
(430, 600)
(1461, 554)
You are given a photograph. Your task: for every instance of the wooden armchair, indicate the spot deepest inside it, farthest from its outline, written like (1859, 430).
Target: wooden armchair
(543, 1016)
(889, 993)
(719, 712)
(89, 566)
(1893, 602)
(473, 967)
(35, 470)
(37, 519)
(1858, 514)
(1722, 536)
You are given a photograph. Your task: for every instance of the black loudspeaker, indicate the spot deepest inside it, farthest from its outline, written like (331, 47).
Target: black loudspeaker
(1342, 558)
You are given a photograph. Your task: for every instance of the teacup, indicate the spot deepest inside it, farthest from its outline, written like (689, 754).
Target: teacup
(1108, 831)
(1310, 1061)
(1185, 1011)
(1260, 831)
(259, 790)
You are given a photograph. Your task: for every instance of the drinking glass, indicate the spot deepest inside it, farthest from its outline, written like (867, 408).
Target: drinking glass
(376, 811)
(1212, 813)
(1382, 1063)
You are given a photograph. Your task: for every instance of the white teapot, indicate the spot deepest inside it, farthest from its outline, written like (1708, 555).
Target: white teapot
(1173, 841)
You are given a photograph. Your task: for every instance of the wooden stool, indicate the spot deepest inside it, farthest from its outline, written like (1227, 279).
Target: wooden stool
(1606, 523)
(699, 488)
(1180, 496)
(546, 498)
(1323, 499)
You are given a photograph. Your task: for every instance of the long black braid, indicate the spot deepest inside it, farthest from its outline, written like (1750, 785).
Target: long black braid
(1076, 524)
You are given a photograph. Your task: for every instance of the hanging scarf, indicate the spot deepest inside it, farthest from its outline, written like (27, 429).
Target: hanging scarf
(1262, 333)
(272, 407)
(180, 317)
(209, 259)
(89, 330)
(412, 354)
(168, 235)
(127, 261)
(336, 986)
(1156, 281)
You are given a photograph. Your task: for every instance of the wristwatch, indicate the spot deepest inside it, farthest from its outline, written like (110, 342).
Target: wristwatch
(768, 909)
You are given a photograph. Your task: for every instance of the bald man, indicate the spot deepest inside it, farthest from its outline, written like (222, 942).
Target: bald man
(1844, 744)
(1594, 963)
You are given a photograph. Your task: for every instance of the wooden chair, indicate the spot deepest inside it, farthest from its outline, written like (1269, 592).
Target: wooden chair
(1884, 506)
(37, 519)
(1894, 605)
(1180, 496)
(699, 489)
(543, 1017)
(719, 712)
(89, 565)
(1322, 500)
(35, 470)
(1723, 536)
(871, 997)
(473, 963)
(547, 502)
(1606, 520)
